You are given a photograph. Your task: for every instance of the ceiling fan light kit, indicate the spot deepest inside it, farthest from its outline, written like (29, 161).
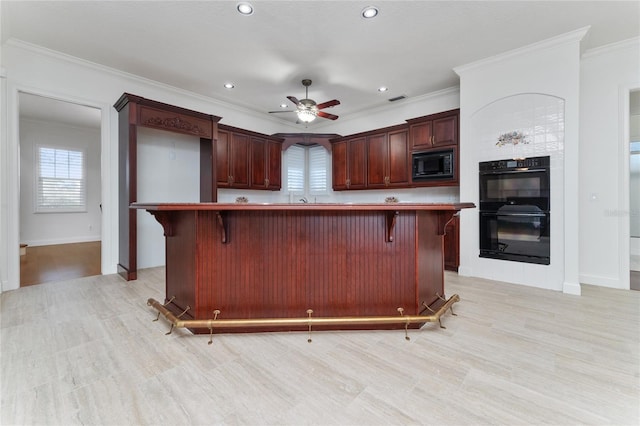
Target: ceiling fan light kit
(307, 109)
(306, 115)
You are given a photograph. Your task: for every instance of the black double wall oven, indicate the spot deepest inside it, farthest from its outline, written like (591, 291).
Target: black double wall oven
(515, 210)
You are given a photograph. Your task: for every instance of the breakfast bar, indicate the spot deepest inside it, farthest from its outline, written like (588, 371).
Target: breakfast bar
(252, 261)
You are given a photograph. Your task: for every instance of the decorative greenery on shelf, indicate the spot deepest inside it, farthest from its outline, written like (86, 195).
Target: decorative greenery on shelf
(511, 138)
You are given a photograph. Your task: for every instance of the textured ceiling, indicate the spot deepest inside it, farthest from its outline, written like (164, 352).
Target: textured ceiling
(411, 47)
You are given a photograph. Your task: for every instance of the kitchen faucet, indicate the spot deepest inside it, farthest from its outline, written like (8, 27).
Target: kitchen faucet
(304, 200)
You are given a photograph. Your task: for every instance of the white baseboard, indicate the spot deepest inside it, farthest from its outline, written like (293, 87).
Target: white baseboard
(600, 281)
(85, 239)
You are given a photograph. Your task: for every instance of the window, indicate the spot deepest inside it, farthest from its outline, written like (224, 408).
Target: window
(60, 180)
(296, 168)
(307, 170)
(317, 170)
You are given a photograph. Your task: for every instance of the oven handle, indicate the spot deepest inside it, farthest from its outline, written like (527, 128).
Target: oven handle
(522, 214)
(505, 172)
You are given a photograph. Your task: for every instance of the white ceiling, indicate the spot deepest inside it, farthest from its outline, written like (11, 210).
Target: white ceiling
(411, 47)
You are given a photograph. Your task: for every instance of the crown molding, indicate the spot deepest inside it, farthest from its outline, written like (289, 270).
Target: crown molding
(43, 51)
(407, 101)
(607, 48)
(570, 37)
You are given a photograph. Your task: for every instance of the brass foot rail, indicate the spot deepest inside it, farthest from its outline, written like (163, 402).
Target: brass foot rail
(212, 323)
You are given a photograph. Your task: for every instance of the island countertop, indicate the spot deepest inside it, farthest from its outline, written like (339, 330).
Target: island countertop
(301, 206)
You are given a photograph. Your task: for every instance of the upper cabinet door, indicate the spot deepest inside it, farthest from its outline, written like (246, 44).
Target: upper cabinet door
(258, 163)
(223, 171)
(357, 163)
(239, 160)
(274, 165)
(339, 165)
(398, 158)
(445, 131)
(378, 161)
(421, 135)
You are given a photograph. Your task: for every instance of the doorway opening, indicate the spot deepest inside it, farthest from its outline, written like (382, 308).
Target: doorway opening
(60, 190)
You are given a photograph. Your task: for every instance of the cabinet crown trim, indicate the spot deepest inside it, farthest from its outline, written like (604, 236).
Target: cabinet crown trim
(127, 98)
(433, 116)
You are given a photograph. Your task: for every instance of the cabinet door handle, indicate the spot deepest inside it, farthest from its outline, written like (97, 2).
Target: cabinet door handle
(386, 181)
(266, 183)
(230, 180)
(348, 182)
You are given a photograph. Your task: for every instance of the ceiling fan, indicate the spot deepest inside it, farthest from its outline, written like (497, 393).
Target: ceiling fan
(307, 109)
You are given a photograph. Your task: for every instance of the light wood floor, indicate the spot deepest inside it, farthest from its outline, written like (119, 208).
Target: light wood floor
(86, 351)
(59, 262)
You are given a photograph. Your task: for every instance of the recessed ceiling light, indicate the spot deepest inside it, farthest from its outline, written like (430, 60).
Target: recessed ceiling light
(369, 12)
(382, 89)
(283, 105)
(229, 85)
(245, 8)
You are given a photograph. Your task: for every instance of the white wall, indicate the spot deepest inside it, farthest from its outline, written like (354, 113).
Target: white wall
(58, 228)
(607, 75)
(168, 171)
(501, 94)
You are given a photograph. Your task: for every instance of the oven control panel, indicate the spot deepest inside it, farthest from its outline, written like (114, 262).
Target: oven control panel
(515, 163)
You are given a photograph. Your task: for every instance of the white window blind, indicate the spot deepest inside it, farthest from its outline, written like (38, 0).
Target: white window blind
(295, 169)
(317, 170)
(60, 180)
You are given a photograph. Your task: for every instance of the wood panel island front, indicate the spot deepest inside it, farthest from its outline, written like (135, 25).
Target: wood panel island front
(265, 261)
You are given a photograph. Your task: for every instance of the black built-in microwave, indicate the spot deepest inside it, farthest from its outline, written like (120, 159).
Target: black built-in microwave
(432, 165)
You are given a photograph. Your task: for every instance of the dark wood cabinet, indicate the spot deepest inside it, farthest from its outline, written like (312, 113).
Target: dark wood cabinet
(266, 164)
(223, 169)
(372, 160)
(378, 158)
(434, 131)
(248, 160)
(452, 245)
(274, 165)
(232, 160)
(339, 171)
(387, 157)
(399, 166)
(349, 164)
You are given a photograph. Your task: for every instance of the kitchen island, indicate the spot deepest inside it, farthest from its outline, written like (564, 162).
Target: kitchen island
(257, 261)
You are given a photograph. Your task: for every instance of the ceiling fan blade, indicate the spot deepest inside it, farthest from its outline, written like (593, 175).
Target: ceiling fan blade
(294, 100)
(328, 104)
(278, 112)
(327, 115)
